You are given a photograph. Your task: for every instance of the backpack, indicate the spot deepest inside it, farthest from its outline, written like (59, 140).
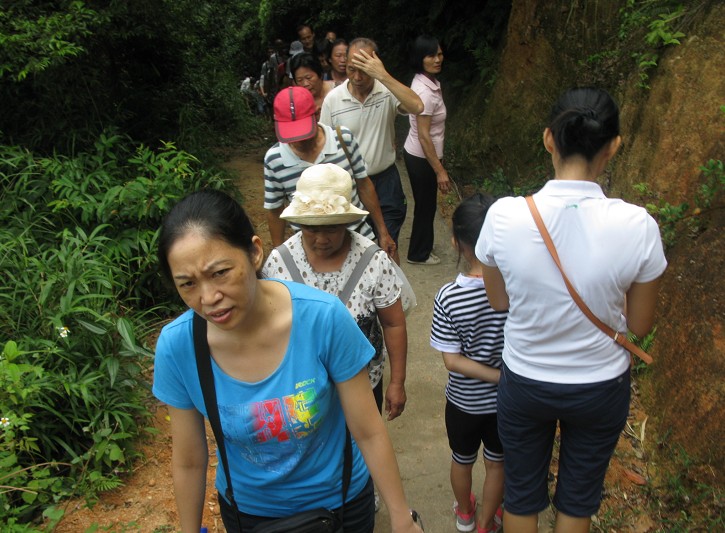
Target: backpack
(271, 78)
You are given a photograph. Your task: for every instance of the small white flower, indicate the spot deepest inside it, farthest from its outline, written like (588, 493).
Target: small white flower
(4, 421)
(63, 331)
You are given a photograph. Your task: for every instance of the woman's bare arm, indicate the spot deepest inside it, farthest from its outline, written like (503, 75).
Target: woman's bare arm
(369, 433)
(641, 305)
(189, 460)
(395, 333)
(495, 288)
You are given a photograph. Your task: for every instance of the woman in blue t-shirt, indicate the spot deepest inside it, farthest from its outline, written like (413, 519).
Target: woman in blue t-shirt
(289, 366)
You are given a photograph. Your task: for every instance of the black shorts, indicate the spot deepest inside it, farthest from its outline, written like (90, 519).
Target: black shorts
(591, 417)
(466, 432)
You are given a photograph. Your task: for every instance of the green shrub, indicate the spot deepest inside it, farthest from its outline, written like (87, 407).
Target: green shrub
(77, 250)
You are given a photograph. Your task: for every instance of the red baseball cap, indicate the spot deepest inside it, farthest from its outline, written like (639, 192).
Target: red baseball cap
(294, 114)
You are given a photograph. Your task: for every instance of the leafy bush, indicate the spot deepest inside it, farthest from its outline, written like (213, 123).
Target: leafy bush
(77, 249)
(154, 69)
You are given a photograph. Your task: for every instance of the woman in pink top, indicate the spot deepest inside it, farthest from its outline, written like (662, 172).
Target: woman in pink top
(423, 149)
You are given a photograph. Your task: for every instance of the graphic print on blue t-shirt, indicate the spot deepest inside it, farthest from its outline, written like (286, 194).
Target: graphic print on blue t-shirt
(272, 430)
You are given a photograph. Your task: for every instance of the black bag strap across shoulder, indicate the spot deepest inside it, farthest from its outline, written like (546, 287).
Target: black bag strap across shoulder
(206, 378)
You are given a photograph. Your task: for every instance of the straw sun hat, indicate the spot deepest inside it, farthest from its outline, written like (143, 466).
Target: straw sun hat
(323, 198)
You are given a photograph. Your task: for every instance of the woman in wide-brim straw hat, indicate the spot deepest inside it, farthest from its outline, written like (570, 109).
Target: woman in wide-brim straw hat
(325, 253)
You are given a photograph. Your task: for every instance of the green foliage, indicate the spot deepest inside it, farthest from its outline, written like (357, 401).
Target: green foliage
(33, 39)
(639, 367)
(154, 70)
(77, 250)
(646, 61)
(496, 184)
(652, 21)
(683, 502)
(709, 196)
(714, 185)
(499, 185)
(25, 486)
(661, 32)
(668, 216)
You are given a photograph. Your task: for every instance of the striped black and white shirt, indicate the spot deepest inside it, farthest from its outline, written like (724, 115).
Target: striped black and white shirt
(282, 170)
(465, 323)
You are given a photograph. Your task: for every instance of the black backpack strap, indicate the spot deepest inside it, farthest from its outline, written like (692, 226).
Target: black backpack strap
(286, 256)
(357, 272)
(206, 378)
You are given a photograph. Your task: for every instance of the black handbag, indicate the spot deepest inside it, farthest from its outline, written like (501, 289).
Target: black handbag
(315, 520)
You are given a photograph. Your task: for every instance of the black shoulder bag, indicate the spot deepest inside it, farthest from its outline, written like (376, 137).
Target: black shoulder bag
(313, 521)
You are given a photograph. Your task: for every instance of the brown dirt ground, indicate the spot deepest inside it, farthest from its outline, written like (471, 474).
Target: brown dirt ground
(146, 503)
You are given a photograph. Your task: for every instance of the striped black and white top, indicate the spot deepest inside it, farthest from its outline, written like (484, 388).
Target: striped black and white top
(282, 170)
(464, 322)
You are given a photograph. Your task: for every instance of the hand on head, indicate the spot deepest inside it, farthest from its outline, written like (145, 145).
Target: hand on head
(368, 62)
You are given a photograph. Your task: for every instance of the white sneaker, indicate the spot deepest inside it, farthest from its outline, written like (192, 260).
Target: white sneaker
(432, 260)
(377, 502)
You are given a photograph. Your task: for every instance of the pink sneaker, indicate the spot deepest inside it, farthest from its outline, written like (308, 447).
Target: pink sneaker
(498, 519)
(497, 523)
(466, 521)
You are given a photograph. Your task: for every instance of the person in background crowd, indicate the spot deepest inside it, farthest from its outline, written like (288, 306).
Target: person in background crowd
(469, 334)
(307, 72)
(295, 48)
(338, 61)
(559, 367)
(304, 142)
(331, 36)
(323, 48)
(307, 38)
(367, 104)
(269, 81)
(423, 149)
(289, 366)
(250, 90)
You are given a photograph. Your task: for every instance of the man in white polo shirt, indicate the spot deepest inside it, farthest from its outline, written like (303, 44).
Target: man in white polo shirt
(367, 104)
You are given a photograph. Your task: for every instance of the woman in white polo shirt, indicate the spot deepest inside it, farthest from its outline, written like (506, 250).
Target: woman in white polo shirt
(558, 366)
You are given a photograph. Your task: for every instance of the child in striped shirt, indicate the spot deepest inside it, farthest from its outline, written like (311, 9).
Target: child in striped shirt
(469, 333)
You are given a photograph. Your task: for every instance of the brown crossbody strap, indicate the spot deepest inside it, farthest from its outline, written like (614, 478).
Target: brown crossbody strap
(618, 337)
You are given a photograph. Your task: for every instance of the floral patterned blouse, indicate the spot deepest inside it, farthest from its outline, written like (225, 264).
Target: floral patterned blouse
(378, 288)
